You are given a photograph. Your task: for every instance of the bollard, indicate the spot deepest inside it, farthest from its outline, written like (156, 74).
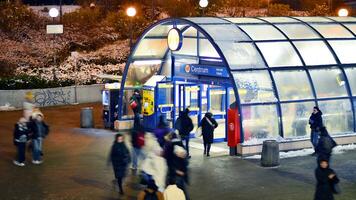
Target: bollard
(86, 118)
(270, 153)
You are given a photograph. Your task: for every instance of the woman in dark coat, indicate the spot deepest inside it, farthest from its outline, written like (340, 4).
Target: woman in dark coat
(120, 159)
(316, 123)
(326, 178)
(208, 124)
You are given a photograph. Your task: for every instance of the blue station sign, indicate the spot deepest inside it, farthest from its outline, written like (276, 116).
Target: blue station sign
(204, 70)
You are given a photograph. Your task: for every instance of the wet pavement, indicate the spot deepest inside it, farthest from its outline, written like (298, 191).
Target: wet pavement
(76, 167)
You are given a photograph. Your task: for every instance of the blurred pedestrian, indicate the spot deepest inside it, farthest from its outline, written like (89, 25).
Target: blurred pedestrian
(172, 192)
(162, 130)
(120, 159)
(136, 105)
(185, 125)
(326, 181)
(150, 193)
(138, 142)
(171, 140)
(325, 145)
(180, 164)
(21, 133)
(28, 106)
(208, 124)
(316, 123)
(39, 130)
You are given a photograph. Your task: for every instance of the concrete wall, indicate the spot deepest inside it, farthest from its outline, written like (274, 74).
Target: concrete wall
(53, 96)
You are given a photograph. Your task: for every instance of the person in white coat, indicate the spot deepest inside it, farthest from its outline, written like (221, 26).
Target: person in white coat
(173, 192)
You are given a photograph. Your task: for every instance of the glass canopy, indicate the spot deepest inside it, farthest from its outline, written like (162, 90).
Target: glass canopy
(279, 67)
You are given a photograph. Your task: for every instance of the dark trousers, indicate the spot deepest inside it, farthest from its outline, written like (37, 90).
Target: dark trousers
(207, 148)
(186, 145)
(21, 150)
(181, 184)
(119, 183)
(136, 119)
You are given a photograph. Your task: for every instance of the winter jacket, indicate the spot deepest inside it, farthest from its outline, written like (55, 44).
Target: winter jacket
(156, 166)
(21, 132)
(39, 129)
(120, 158)
(172, 192)
(137, 98)
(136, 135)
(316, 121)
(324, 188)
(142, 194)
(181, 164)
(207, 128)
(160, 132)
(184, 124)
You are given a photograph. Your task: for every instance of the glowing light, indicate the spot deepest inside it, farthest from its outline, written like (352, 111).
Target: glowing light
(203, 3)
(131, 11)
(53, 12)
(343, 12)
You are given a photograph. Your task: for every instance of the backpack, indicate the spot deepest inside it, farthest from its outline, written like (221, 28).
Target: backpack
(140, 139)
(150, 196)
(329, 144)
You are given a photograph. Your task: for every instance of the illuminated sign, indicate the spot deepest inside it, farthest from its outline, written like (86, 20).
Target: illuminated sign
(204, 70)
(174, 39)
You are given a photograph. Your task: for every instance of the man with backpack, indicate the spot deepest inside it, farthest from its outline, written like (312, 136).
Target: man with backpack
(138, 141)
(150, 193)
(325, 145)
(185, 125)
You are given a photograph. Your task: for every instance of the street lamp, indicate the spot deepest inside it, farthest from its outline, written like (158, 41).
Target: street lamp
(343, 12)
(203, 4)
(131, 12)
(53, 12)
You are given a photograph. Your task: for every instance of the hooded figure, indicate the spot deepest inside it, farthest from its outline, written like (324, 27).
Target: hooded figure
(120, 159)
(185, 125)
(325, 145)
(316, 123)
(326, 179)
(208, 124)
(135, 103)
(161, 131)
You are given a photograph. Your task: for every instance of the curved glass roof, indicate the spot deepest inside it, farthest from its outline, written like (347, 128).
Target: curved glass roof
(267, 58)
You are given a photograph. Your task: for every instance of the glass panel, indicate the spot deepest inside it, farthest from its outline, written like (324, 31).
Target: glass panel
(245, 20)
(279, 19)
(241, 55)
(298, 31)
(344, 19)
(189, 47)
(328, 82)
(167, 65)
(279, 54)
(137, 75)
(191, 31)
(314, 19)
(345, 50)
(351, 76)
(332, 31)
(313, 51)
(262, 32)
(160, 30)
(207, 49)
(126, 109)
(151, 48)
(259, 122)
(254, 86)
(230, 32)
(352, 27)
(337, 116)
(295, 118)
(206, 20)
(293, 85)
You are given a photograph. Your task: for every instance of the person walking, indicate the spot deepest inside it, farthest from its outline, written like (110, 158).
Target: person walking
(162, 130)
(150, 193)
(316, 123)
(171, 140)
(185, 125)
(208, 124)
(39, 130)
(138, 142)
(172, 192)
(136, 105)
(120, 159)
(325, 145)
(326, 181)
(28, 106)
(21, 133)
(180, 164)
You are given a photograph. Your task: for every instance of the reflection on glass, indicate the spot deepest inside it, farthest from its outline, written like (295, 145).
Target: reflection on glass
(151, 48)
(189, 47)
(260, 122)
(263, 32)
(225, 32)
(337, 116)
(293, 85)
(295, 118)
(298, 31)
(328, 82)
(126, 109)
(137, 75)
(254, 86)
(345, 50)
(351, 76)
(315, 53)
(207, 49)
(332, 31)
(217, 100)
(283, 54)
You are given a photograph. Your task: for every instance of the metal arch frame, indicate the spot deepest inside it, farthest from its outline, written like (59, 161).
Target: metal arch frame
(343, 25)
(199, 29)
(339, 65)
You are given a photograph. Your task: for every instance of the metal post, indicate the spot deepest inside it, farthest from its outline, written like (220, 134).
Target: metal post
(130, 34)
(54, 56)
(60, 11)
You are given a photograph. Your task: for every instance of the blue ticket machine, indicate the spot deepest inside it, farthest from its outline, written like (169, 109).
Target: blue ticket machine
(110, 101)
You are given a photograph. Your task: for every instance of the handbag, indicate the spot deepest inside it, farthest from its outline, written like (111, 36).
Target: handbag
(198, 132)
(336, 188)
(133, 104)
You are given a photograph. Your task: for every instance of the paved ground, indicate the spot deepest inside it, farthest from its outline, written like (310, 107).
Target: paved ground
(75, 168)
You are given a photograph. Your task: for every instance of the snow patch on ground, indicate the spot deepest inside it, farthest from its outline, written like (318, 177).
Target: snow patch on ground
(7, 107)
(305, 152)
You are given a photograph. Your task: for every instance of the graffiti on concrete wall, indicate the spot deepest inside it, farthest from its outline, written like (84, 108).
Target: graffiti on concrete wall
(51, 97)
